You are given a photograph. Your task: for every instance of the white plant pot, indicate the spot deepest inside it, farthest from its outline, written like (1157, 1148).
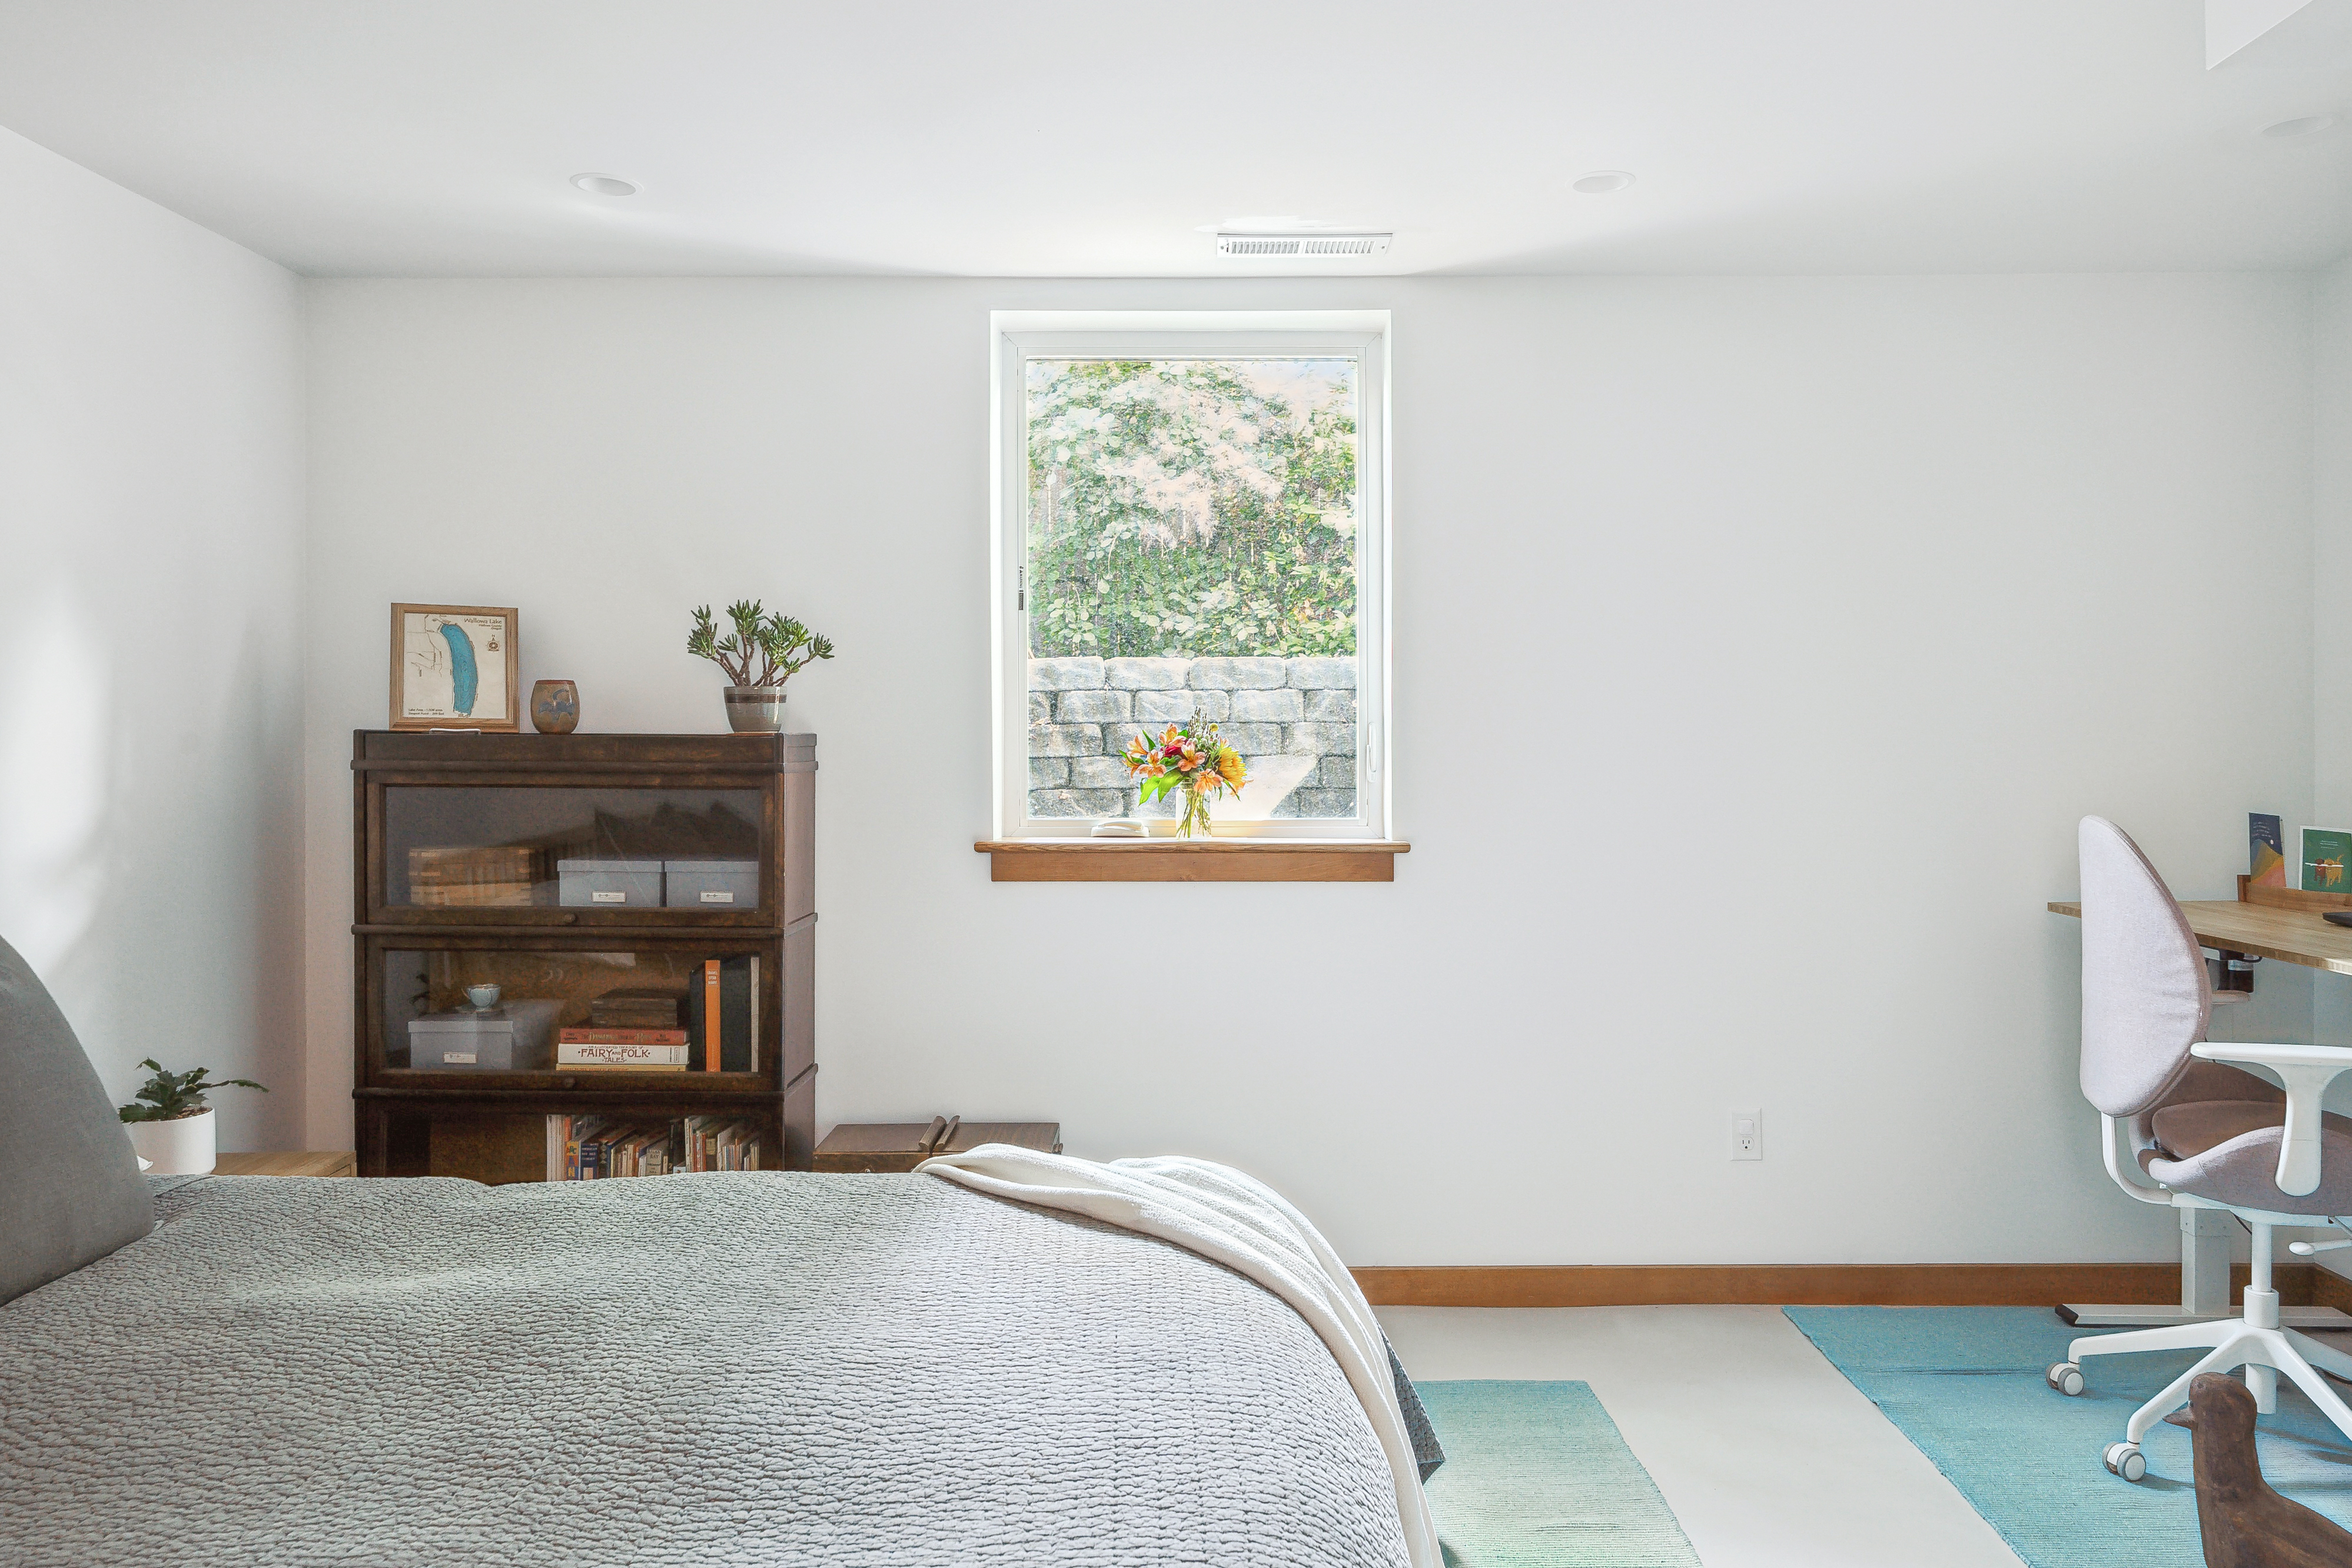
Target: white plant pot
(755, 710)
(180, 1147)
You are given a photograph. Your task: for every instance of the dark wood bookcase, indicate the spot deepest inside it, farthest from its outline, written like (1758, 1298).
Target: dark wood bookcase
(521, 805)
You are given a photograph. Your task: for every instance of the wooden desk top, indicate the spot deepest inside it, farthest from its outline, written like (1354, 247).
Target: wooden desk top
(2290, 936)
(289, 1163)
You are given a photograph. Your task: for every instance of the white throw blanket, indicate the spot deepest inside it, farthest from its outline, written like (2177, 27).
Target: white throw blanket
(1222, 1215)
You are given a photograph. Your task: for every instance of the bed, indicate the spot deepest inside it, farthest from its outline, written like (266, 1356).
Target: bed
(716, 1369)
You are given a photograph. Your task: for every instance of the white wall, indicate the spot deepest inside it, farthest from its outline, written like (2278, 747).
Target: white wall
(150, 607)
(2332, 546)
(1871, 586)
(2331, 559)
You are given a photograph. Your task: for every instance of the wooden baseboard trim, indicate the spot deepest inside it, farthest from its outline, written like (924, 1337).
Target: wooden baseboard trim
(1816, 1284)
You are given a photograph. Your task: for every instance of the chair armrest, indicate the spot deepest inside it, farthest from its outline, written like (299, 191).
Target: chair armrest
(2108, 1126)
(2306, 1071)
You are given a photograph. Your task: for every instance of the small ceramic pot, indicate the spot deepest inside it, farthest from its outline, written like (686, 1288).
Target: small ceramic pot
(483, 997)
(554, 706)
(182, 1146)
(755, 710)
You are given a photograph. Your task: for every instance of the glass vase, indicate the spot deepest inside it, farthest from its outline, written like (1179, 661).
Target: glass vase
(1196, 813)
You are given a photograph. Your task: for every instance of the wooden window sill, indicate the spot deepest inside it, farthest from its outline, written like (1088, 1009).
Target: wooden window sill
(1191, 860)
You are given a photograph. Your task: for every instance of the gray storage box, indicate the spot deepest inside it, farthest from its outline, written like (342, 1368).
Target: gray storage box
(711, 884)
(515, 1037)
(609, 884)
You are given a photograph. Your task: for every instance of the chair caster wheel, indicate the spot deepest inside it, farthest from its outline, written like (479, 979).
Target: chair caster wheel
(2065, 1378)
(2125, 1459)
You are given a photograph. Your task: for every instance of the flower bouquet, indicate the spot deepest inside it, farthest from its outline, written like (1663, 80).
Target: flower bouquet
(1192, 758)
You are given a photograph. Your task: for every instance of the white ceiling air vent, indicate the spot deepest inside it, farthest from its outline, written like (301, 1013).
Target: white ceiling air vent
(1302, 246)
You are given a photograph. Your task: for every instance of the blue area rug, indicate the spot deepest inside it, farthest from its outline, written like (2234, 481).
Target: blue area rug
(1964, 1383)
(1536, 1476)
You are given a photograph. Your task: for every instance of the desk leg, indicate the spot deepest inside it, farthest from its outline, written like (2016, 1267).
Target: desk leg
(2206, 1236)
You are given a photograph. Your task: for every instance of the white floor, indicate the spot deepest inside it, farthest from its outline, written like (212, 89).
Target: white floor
(1766, 1453)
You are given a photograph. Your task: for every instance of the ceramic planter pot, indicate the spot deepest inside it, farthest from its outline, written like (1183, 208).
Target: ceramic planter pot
(180, 1147)
(755, 710)
(554, 706)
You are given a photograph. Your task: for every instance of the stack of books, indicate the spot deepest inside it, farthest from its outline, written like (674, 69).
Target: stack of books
(470, 876)
(597, 1148)
(636, 1007)
(628, 1031)
(714, 1027)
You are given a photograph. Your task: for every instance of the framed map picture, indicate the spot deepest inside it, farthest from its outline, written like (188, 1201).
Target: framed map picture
(454, 667)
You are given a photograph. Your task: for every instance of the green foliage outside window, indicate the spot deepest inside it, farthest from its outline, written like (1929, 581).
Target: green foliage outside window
(1194, 508)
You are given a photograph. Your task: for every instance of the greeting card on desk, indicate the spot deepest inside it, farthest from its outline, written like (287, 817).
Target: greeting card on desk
(2265, 851)
(2323, 854)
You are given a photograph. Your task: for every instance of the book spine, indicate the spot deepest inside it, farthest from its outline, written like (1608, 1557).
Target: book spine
(596, 1037)
(583, 1053)
(711, 1011)
(735, 1010)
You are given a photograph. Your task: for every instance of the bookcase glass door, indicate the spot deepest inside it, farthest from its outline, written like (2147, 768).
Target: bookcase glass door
(491, 847)
(459, 1011)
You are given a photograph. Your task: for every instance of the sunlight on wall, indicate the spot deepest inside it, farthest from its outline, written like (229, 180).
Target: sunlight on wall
(53, 777)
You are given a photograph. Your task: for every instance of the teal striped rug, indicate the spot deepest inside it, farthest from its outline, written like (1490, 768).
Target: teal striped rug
(1964, 1383)
(1535, 1476)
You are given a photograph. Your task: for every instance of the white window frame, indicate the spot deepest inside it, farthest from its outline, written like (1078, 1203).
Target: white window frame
(1015, 336)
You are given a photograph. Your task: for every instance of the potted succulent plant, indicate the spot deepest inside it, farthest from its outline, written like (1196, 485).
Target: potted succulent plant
(760, 655)
(172, 1130)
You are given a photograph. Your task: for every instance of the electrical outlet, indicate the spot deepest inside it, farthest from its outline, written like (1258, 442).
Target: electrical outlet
(1747, 1135)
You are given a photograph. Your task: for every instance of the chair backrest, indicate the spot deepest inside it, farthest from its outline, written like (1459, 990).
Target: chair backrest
(2146, 997)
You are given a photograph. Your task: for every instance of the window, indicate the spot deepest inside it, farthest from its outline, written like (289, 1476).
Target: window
(1191, 527)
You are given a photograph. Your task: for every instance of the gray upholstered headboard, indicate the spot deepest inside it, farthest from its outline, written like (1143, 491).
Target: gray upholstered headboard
(71, 1190)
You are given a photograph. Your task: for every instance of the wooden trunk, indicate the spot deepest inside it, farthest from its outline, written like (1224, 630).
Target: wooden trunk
(885, 1146)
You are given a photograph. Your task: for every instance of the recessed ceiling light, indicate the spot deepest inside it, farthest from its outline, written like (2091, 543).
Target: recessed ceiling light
(2296, 129)
(604, 185)
(1601, 182)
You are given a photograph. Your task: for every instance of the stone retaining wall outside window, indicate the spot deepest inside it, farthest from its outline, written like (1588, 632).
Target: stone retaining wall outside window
(1287, 716)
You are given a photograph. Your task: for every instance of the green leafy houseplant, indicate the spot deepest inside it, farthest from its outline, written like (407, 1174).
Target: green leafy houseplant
(172, 1095)
(766, 648)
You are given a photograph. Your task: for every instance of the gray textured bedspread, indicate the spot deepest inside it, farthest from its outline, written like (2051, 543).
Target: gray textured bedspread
(706, 1370)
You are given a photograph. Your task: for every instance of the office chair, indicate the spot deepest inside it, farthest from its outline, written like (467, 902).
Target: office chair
(2202, 1135)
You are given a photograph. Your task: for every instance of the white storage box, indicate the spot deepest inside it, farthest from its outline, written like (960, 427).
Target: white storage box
(711, 884)
(609, 884)
(517, 1036)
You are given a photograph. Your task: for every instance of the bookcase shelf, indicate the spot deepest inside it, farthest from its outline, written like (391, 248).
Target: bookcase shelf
(475, 857)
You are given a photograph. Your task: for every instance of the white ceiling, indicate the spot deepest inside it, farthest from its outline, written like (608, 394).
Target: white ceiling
(1051, 138)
